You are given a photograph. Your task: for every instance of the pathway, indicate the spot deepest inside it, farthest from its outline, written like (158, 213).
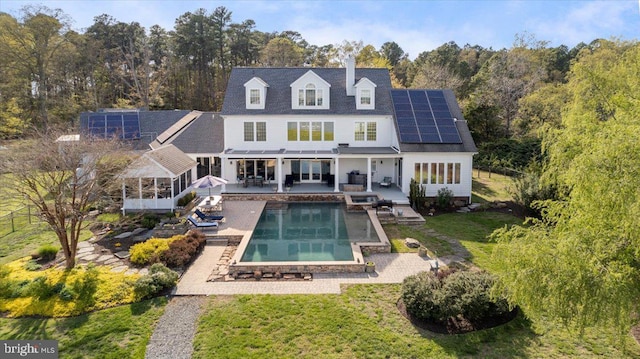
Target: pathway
(173, 335)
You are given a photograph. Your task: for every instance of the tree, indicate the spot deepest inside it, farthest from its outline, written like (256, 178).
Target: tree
(30, 48)
(581, 261)
(282, 52)
(392, 52)
(62, 179)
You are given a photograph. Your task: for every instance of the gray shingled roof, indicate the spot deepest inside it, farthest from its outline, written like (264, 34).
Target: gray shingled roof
(205, 134)
(278, 101)
(467, 145)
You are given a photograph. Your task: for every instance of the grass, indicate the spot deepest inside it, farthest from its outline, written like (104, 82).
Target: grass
(490, 189)
(364, 322)
(397, 233)
(121, 332)
(472, 230)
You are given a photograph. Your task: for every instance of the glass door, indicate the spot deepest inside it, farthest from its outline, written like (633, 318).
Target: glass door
(310, 171)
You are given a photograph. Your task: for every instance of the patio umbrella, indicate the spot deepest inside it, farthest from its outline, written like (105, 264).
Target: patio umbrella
(209, 182)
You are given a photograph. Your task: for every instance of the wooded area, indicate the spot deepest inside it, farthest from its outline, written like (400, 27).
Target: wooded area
(50, 73)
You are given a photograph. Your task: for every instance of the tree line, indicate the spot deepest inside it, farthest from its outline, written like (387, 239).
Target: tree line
(50, 73)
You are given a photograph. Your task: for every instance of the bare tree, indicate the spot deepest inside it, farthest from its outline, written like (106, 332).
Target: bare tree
(63, 178)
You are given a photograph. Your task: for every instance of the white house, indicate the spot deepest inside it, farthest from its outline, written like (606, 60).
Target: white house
(337, 126)
(343, 126)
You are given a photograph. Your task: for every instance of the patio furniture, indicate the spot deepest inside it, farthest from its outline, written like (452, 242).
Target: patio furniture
(386, 182)
(207, 217)
(202, 224)
(387, 203)
(288, 181)
(211, 204)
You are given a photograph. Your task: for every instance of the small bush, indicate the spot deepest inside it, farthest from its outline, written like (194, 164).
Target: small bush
(66, 294)
(444, 197)
(159, 278)
(183, 201)
(48, 252)
(182, 251)
(437, 298)
(42, 289)
(32, 265)
(149, 220)
(149, 252)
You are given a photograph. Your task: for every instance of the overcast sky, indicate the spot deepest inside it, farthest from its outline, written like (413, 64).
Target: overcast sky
(414, 25)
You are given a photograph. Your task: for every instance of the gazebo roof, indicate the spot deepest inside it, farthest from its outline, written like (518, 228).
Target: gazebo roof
(166, 161)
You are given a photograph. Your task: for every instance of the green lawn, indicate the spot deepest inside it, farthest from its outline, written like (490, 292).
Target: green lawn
(364, 322)
(121, 332)
(489, 189)
(472, 229)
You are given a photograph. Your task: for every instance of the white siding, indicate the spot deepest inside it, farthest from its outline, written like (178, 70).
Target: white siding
(460, 190)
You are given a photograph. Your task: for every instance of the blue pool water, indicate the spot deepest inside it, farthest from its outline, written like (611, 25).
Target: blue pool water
(309, 231)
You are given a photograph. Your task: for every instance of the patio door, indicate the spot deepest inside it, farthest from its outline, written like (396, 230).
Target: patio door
(310, 171)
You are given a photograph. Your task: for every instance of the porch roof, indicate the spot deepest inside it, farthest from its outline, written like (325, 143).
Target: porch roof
(166, 161)
(236, 153)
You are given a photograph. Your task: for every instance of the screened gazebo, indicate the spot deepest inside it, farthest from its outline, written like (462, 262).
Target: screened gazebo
(156, 180)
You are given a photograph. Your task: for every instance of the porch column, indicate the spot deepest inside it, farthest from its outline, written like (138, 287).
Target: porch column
(336, 175)
(223, 172)
(280, 177)
(140, 192)
(155, 191)
(369, 174)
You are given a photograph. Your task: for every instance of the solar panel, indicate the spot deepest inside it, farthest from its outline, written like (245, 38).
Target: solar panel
(423, 116)
(124, 125)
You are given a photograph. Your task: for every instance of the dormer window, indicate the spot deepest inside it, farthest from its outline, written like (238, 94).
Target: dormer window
(255, 93)
(365, 94)
(310, 96)
(310, 92)
(254, 96)
(365, 97)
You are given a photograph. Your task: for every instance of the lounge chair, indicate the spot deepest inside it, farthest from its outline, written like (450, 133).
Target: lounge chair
(202, 224)
(386, 182)
(208, 217)
(288, 180)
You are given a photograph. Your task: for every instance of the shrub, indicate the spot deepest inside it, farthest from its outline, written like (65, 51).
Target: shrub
(420, 294)
(32, 265)
(48, 252)
(429, 297)
(444, 197)
(183, 201)
(150, 251)
(159, 278)
(182, 251)
(66, 294)
(42, 289)
(149, 220)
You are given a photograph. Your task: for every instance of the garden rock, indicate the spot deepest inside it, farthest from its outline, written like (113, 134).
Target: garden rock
(412, 243)
(124, 235)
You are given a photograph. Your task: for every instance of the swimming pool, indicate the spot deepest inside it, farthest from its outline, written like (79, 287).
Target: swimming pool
(308, 232)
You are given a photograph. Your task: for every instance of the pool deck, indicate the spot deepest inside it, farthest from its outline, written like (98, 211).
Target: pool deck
(240, 218)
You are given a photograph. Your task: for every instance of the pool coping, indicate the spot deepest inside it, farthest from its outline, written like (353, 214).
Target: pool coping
(357, 265)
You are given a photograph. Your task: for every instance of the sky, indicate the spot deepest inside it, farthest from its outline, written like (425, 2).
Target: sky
(417, 25)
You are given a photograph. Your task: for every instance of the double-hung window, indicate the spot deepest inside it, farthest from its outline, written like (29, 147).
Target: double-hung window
(255, 131)
(365, 131)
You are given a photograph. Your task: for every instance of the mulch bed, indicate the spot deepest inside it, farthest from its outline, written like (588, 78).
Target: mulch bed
(458, 325)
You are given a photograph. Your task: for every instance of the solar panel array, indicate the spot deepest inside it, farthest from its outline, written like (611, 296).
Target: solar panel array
(124, 125)
(424, 116)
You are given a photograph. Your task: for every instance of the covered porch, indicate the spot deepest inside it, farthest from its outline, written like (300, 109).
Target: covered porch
(391, 193)
(341, 169)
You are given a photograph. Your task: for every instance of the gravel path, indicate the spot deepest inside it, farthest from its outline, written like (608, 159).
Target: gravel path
(173, 336)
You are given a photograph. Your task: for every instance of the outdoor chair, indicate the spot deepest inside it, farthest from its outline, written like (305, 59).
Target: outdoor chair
(208, 217)
(288, 180)
(202, 224)
(386, 182)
